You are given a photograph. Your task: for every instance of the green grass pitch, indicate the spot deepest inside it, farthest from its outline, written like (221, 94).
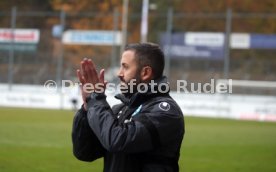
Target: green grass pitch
(36, 140)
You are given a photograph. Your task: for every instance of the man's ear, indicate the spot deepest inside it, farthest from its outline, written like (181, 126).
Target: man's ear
(146, 74)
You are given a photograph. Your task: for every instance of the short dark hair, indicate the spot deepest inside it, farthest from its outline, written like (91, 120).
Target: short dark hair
(148, 54)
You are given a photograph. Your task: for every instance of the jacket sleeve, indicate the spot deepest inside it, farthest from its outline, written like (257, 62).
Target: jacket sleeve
(86, 146)
(130, 137)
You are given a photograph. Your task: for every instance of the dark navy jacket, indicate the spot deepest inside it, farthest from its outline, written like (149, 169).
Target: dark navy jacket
(142, 134)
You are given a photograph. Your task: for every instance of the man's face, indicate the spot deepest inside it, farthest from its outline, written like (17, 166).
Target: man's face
(128, 68)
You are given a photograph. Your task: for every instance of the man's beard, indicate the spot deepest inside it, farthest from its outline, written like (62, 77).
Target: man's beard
(128, 88)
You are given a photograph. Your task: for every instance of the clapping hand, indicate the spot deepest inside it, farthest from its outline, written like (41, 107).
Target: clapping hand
(90, 80)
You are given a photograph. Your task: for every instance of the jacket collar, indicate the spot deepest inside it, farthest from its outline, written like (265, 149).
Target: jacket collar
(137, 98)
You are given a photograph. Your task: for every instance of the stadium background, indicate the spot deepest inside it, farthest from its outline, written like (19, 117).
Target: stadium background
(41, 64)
(39, 140)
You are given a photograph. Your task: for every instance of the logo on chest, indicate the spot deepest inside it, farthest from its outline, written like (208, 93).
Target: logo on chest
(164, 106)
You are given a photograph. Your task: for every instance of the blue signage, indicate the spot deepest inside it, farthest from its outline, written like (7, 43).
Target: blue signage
(210, 45)
(180, 49)
(261, 41)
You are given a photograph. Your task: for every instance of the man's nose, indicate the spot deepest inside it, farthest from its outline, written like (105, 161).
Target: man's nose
(120, 73)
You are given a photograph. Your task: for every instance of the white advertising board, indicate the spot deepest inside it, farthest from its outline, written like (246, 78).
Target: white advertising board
(204, 39)
(258, 108)
(240, 107)
(89, 37)
(216, 39)
(19, 35)
(240, 40)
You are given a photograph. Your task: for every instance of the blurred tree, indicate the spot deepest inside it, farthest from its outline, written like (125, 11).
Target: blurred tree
(100, 18)
(23, 6)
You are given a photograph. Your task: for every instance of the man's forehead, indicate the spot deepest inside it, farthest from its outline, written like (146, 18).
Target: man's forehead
(128, 57)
